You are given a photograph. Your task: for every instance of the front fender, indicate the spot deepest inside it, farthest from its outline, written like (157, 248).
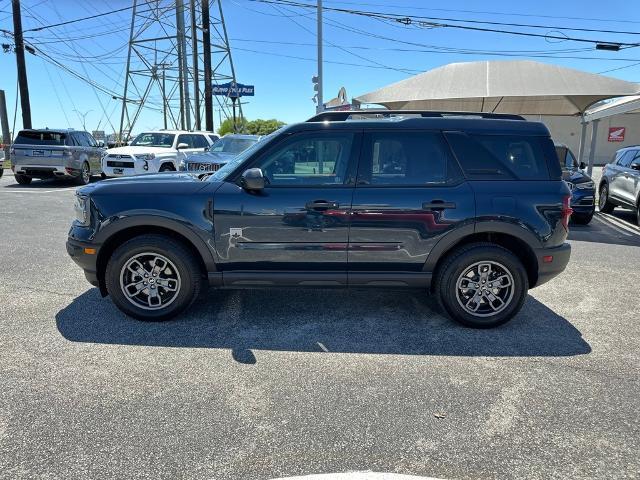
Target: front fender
(197, 234)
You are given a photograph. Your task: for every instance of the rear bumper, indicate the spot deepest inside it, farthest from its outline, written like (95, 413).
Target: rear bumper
(86, 261)
(44, 171)
(559, 259)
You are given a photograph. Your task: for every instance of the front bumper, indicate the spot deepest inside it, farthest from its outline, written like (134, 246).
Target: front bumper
(559, 259)
(87, 261)
(583, 201)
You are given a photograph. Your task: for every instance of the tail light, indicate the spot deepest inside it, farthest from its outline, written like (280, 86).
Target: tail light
(566, 211)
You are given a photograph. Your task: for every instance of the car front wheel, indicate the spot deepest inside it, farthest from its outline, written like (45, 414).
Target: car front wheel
(153, 277)
(482, 285)
(604, 203)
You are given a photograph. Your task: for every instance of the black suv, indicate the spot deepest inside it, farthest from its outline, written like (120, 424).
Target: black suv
(471, 207)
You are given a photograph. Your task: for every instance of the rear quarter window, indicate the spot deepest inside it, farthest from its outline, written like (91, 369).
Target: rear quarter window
(505, 157)
(40, 138)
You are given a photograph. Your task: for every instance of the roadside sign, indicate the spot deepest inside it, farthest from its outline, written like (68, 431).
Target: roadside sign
(234, 91)
(98, 134)
(616, 134)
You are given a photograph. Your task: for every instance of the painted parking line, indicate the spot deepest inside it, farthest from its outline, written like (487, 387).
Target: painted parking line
(610, 225)
(621, 223)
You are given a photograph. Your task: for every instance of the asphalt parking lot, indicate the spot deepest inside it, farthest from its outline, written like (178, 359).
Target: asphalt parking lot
(264, 384)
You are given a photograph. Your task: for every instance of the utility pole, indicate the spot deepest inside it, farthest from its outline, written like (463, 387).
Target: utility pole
(22, 67)
(320, 105)
(206, 56)
(182, 65)
(196, 76)
(6, 134)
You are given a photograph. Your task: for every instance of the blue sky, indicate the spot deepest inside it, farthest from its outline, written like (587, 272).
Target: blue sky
(265, 39)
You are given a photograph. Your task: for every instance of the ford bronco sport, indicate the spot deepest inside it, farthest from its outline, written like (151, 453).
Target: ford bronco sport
(469, 207)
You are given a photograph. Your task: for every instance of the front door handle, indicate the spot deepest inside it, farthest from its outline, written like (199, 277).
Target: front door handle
(438, 205)
(321, 205)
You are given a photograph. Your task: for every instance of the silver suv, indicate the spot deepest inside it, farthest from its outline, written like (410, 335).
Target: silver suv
(61, 153)
(620, 184)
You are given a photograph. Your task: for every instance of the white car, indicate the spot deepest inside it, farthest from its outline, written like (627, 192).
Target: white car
(157, 151)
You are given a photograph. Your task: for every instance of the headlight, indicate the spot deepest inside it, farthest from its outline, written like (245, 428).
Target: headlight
(81, 209)
(146, 157)
(585, 186)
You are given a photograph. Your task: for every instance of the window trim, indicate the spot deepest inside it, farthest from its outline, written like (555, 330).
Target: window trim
(352, 162)
(365, 150)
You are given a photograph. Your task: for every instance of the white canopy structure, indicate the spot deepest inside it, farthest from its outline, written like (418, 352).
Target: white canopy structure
(515, 86)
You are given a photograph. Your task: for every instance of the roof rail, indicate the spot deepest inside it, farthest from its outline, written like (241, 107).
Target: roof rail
(341, 116)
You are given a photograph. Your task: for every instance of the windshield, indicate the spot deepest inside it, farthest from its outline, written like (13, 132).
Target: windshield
(154, 139)
(231, 165)
(232, 145)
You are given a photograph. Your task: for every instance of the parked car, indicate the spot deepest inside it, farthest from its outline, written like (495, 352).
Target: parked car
(583, 189)
(55, 153)
(473, 210)
(156, 151)
(219, 153)
(620, 182)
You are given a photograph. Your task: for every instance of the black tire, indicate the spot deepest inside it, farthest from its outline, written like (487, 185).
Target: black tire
(85, 175)
(582, 218)
(22, 179)
(167, 167)
(638, 213)
(1, 168)
(460, 261)
(103, 176)
(189, 276)
(604, 203)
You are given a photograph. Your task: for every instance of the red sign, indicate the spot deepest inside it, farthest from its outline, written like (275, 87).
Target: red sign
(616, 134)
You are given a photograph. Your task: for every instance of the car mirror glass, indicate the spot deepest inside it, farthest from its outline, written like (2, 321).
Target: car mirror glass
(252, 179)
(582, 165)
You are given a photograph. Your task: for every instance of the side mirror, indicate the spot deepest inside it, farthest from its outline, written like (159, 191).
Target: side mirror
(582, 165)
(252, 179)
(635, 165)
(182, 146)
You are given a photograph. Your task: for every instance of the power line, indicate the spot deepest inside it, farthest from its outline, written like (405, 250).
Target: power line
(92, 17)
(431, 22)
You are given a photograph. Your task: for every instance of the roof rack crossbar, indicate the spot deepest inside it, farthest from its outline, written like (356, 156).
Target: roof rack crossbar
(341, 116)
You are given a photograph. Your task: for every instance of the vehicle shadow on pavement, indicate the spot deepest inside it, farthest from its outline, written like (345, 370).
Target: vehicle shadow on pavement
(365, 321)
(617, 228)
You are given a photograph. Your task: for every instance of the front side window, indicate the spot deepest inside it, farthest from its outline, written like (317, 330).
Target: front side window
(188, 139)
(309, 159)
(571, 160)
(626, 159)
(199, 141)
(406, 158)
(154, 139)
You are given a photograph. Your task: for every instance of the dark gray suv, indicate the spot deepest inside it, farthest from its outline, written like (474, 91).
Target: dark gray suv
(55, 153)
(620, 183)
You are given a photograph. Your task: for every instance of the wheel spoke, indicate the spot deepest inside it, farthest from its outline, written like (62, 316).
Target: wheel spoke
(168, 284)
(158, 265)
(491, 299)
(134, 289)
(500, 281)
(154, 300)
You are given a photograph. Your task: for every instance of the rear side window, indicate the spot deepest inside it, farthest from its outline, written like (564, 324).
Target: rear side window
(504, 157)
(199, 141)
(407, 158)
(40, 138)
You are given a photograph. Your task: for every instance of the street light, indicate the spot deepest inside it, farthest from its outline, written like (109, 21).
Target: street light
(84, 117)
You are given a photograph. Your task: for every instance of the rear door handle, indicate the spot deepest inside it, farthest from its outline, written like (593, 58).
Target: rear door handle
(438, 205)
(321, 205)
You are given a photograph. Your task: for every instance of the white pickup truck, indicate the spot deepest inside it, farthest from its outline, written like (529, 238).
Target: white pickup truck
(156, 151)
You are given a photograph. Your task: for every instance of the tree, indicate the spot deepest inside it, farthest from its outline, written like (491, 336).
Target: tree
(253, 127)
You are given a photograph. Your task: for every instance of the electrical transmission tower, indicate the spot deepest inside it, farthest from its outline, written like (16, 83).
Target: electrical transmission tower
(173, 44)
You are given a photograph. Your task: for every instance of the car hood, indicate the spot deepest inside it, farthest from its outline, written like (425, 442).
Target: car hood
(148, 183)
(210, 157)
(575, 176)
(138, 150)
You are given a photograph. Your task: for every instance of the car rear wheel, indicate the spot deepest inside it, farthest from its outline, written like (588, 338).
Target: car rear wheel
(167, 167)
(153, 277)
(85, 175)
(482, 285)
(22, 179)
(604, 203)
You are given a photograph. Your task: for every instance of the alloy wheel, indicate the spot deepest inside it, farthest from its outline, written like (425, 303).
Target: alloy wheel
(484, 289)
(150, 281)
